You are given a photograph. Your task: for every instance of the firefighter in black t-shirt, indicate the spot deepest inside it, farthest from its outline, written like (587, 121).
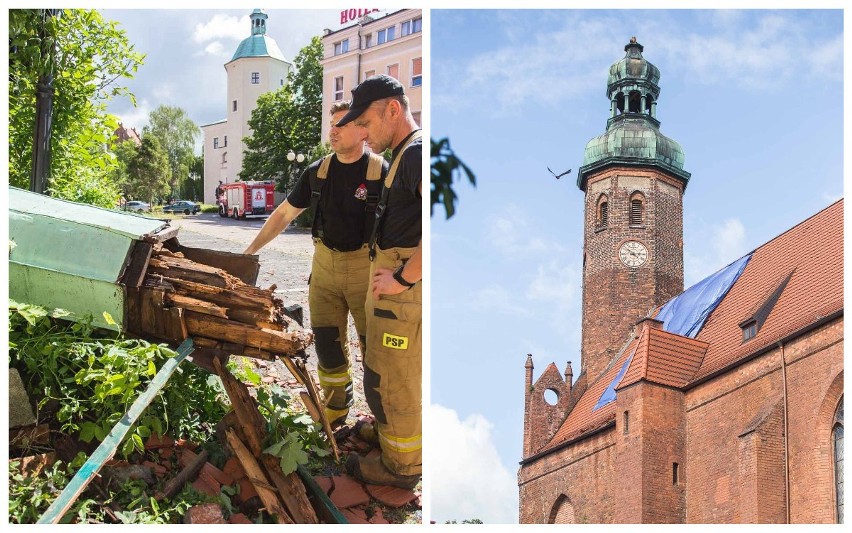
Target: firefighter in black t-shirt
(344, 188)
(392, 366)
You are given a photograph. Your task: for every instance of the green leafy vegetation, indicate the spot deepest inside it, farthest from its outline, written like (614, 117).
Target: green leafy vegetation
(88, 58)
(446, 166)
(88, 381)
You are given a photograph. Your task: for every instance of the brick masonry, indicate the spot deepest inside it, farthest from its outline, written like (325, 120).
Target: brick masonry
(727, 437)
(616, 296)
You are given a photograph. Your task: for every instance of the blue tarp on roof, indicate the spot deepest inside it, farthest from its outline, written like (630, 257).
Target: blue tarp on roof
(685, 313)
(609, 394)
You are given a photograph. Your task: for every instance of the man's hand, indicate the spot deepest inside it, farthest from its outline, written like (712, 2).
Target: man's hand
(383, 283)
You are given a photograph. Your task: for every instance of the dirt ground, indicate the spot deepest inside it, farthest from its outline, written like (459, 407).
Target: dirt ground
(285, 262)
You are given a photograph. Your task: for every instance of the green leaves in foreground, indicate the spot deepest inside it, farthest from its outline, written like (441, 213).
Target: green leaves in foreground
(446, 166)
(292, 434)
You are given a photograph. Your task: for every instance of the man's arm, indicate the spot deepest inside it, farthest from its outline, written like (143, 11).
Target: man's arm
(274, 225)
(412, 272)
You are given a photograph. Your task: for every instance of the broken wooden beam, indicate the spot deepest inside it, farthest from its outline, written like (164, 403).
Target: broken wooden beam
(176, 484)
(266, 491)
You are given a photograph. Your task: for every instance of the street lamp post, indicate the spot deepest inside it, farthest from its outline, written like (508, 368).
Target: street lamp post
(293, 157)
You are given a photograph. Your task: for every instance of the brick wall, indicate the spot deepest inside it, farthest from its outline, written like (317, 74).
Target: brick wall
(728, 468)
(583, 473)
(615, 296)
(541, 419)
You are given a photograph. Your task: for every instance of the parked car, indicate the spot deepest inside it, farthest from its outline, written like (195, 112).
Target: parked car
(182, 206)
(137, 207)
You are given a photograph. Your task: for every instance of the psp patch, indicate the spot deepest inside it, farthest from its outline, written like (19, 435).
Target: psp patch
(394, 341)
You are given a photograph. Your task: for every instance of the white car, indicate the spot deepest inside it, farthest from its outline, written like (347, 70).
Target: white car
(137, 207)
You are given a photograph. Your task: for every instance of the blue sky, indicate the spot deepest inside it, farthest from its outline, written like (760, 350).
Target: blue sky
(755, 98)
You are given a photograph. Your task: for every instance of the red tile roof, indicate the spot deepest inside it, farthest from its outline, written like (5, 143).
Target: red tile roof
(812, 250)
(664, 358)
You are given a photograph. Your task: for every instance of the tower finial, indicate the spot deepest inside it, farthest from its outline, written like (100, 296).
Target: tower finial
(633, 40)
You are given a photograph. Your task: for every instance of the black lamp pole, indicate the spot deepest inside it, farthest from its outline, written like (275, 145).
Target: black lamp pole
(44, 108)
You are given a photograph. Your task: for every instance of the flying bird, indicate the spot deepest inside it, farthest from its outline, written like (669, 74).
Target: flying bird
(560, 175)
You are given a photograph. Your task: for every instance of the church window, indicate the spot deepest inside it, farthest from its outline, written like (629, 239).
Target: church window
(602, 212)
(626, 424)
(837, 442)
(636, 209)
(675, 473)
(393, 70)
(562, 511)
(634, 102)
(338, 88)
(255, 78)
(551, 397)
(417, 72)
(235, 106)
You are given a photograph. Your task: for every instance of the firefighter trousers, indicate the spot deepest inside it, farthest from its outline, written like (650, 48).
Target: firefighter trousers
(338, 286)
(393, 370)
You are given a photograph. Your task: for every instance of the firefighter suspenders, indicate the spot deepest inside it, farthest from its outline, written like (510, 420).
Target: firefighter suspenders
(383, 201)
(374, 173)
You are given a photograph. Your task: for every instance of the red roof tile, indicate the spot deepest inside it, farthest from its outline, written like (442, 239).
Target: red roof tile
(664, 358)
(814, 248)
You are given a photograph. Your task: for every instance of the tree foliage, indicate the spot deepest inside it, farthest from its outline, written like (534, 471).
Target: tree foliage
(446, 166)
(91, 56)
(287, 119)
(176, 133)
(149, 171)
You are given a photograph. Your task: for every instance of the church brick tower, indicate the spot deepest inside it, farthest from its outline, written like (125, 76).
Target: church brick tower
(634, 182)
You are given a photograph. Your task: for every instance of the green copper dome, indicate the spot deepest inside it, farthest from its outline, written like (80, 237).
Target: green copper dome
(258, 44)
(633, 135)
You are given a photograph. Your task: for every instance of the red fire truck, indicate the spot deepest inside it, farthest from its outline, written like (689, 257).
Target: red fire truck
(246, 199)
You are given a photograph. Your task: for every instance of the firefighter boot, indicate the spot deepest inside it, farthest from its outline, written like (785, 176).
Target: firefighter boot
(373, 471)
(366, 431)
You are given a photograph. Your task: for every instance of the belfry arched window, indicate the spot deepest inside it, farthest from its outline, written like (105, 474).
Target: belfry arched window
(562, 511)
(602, 211)
(837, 446)
(637, 209)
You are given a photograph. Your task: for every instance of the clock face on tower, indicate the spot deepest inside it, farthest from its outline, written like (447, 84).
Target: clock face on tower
(633, 253)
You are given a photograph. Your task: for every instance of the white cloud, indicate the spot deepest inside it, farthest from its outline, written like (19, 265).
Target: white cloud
(216, 48)
(727, 243)
(136, 117)
(513, 235)
(555, 292)
(467, 479)
(222, 27)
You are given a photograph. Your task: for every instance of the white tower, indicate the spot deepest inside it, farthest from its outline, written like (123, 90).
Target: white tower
(258, 66)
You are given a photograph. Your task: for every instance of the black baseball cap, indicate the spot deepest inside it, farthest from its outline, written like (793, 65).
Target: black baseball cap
(372, 89)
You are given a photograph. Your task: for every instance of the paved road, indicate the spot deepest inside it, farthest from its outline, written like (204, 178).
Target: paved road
(285, 262)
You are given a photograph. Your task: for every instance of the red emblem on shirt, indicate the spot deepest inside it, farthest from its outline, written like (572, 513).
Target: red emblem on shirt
(361, 192)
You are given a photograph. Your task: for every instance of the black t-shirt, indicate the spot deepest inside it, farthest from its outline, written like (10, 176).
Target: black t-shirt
(342, 205)
(401, 223)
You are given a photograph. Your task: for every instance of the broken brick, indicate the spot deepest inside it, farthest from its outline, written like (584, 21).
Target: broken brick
(391, 496)
(234, 469)
(348, 492)
(324, 483)
(202, 484)
(239, 518)
(166, 453)
(156, 441)
(158, 469)
(206, 513)
(221, 477)
(355, 516)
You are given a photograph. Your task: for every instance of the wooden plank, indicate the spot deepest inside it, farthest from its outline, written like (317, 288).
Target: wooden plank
(291, 490)
(135, 271)
(251, 422)
(217, 295)
(257, 478)
(107, 448)
(277, 342)
(194, 304)
(176, 484)
(300, 372)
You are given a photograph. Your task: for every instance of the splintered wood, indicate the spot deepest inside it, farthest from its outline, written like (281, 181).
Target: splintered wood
(181, 298)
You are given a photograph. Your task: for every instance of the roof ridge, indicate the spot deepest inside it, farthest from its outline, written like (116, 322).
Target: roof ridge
(788, 230)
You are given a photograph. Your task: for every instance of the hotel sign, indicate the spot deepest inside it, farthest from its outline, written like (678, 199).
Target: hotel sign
(351, 15)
